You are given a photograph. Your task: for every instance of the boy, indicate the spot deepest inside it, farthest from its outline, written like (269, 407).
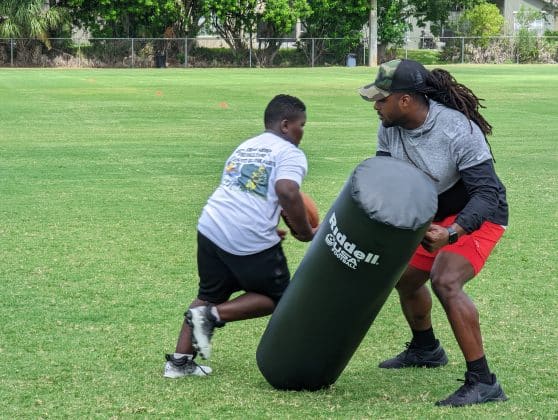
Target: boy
(239, 245)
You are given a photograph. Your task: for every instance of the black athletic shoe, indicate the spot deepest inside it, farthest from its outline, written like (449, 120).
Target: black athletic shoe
(474, 392)
(185, 366)
(417, 357)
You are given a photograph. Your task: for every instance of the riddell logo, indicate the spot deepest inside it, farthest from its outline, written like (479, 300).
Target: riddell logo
(346, 251)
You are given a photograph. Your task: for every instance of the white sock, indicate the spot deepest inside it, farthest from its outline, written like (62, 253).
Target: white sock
(181, 355)
(215, 313)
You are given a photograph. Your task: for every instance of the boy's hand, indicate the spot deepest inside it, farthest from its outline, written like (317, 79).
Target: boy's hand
(282, 234)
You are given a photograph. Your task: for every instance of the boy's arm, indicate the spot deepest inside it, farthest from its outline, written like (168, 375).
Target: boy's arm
(290, 200)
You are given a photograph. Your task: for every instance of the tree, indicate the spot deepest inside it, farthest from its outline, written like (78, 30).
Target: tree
(231, 19)
(277, 21)
(437, 12)
(189, 14)
(483, 21)
(525, 17)
(551, 4)
(394, 17)
(335, 19)
(345, 19)
(393, 24)
(527, 45)
(269, 20)
(139, 19)
(30, 19)
(131, 18)
(33, 22)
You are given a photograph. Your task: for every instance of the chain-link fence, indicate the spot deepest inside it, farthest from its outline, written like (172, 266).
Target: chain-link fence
(268, 52)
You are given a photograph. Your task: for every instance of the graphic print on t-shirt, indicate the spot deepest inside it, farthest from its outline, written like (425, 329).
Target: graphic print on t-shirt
(249, 170)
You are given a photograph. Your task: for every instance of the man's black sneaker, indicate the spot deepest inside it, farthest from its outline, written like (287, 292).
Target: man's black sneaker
(474, 392)
(417, 357)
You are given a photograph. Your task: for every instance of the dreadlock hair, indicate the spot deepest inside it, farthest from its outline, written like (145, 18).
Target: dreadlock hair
(443, 88)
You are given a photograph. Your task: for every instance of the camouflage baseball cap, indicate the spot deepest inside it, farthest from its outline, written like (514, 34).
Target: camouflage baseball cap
(395, 76)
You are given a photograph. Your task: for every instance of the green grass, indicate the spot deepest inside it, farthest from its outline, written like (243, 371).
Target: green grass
(103, 175)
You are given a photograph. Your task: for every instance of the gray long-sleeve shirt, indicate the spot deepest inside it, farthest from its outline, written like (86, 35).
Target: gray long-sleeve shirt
(453, 152)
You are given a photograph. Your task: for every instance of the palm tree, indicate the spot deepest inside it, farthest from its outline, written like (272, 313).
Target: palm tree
(30, 19)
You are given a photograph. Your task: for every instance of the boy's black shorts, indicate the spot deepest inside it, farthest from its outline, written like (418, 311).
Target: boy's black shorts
(222, 274)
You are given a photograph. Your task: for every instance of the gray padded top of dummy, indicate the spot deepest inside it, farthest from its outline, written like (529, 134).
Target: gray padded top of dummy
(394, 192)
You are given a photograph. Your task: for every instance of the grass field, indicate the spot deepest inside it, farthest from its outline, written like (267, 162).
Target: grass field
(103, 174)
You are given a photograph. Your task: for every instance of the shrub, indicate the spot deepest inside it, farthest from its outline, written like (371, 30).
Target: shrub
(422, 56)
(215, 57)
(483, 21)
(291, 58)
(498, 51)
(451, 52)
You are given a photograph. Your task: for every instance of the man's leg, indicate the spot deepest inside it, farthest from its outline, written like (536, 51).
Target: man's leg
(450, 272)
(415, 298)
(423, 350)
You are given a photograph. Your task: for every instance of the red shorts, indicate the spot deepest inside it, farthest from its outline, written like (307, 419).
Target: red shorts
(475, 247)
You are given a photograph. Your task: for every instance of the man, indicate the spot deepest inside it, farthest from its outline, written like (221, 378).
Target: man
(433, 122)
(239, 245)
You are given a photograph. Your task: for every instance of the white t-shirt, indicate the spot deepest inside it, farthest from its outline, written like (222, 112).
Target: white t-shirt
(241, 216)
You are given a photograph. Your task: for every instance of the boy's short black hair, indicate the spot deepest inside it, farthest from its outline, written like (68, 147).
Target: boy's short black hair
(283, 107)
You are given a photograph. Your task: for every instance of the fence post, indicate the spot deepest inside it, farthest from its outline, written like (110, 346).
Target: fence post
(250, 51)
(11, 52)
(312, 52)
(132, 52)
(462, 49)
(185, 52)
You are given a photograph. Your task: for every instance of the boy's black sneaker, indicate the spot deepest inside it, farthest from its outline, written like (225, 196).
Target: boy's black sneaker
(184, 366)
(417, 357)
(474, 392)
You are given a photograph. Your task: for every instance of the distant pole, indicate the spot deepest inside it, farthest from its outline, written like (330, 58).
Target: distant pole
(313, 39)
(373, 34)
(250, 49)
(186, 52)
